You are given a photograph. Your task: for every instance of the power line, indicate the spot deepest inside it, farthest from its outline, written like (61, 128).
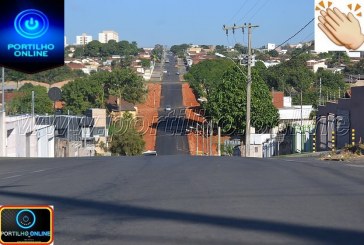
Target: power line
(252, 8)
(280, 45)
(258, 10)
(237, 12)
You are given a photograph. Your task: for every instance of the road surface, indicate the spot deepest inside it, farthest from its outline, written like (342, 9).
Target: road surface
(170, 138)
(192, 200)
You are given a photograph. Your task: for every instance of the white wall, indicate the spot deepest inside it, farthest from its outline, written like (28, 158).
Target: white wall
(294, 113)
(24, 139)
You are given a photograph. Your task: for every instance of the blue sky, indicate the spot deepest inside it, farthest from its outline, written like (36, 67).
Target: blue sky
(149, 22)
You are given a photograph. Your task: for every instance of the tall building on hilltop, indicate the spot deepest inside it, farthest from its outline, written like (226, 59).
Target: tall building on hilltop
(83, 39)
(106, 36)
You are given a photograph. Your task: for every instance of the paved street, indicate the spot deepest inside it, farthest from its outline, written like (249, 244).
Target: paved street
(192, 200)
(171, 123)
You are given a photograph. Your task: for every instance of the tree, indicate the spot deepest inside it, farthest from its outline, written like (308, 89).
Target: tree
(58, 74)
(22, 103)
(179, 50)
(145, 63)
(332, 83)
(126, 141)
(92, 91)
(84, 93)
(50, 76)
(227, 102)
(292, 75)
(241, 49)
(93, 49)
(273, 53)
(79, 52)
(157, 53)
(355, 69)
(206, 74)
(126, 84)
(338, 58)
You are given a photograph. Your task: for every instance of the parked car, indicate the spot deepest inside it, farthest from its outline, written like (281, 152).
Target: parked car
(150, 153)
(177, 73)
(168, 108)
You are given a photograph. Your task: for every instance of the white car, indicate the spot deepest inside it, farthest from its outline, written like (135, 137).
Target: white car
(168, 108)
(150, 153)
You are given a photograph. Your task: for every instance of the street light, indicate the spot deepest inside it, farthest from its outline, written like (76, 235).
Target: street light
(197, 132)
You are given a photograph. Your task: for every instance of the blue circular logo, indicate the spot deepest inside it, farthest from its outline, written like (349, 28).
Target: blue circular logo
(25, 219)
(31, 23)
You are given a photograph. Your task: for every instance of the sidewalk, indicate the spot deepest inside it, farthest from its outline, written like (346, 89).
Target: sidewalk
(148, 115)
(195, 113)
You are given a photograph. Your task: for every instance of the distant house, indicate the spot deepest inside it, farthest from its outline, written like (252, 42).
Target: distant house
(295, 121)
(314, 65)
(75, 66)
(118, 108)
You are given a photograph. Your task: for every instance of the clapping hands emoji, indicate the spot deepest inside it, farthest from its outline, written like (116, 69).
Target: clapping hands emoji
(341, 29)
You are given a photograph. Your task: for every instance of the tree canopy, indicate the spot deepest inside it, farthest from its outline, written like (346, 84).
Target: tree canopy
(126, 141)
(179, 50)
(223, 83)
(97, 49)
(49, 76)
(22, 102)
(293, 76)
(93, 91)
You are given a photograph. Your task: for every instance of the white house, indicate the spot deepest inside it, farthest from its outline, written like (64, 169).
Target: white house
(271, 46)
(21, 137)
(314, 65)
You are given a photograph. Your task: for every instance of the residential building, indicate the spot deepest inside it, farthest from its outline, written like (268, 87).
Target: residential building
(73, 135)
(106, 36)
(83, 39)
(270, 46)
(340, 123)
(295, 125)
(75, 66)
(117, 108)
(22, 136)
(194, 50)
(270, 63)
(314, 65)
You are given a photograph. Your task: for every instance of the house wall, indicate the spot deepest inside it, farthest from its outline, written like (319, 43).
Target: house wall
(341, 117)
(25, 139)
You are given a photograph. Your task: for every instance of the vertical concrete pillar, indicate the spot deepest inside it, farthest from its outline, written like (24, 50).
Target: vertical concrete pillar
(3, 134)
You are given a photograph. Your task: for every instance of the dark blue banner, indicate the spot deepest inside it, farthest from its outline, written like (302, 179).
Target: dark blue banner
(32, 34)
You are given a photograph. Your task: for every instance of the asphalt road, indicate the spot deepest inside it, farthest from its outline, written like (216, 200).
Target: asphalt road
(192, 200)
(171, 124)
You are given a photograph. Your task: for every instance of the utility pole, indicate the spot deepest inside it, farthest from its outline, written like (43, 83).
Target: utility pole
(219, 141)
(3, 88)
(301, 124)
(249, 81)
(33, 105)
(203, 138)
(339, 92)
(2, 119)
(211, 136)
(320, 91)
(196, 139)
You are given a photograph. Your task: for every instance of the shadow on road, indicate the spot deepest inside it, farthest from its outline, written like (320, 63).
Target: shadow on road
(129, 212)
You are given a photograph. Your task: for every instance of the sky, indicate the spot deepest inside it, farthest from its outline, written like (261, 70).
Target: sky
(169, 22)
